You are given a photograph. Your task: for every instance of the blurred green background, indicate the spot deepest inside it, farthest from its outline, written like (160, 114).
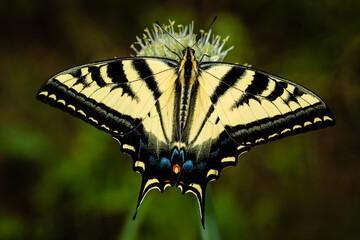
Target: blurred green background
(63, 179)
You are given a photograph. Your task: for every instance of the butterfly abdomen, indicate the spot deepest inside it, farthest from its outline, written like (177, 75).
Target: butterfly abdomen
(184, 105)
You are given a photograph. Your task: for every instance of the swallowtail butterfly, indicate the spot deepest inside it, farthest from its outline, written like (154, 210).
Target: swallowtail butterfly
(183, 122)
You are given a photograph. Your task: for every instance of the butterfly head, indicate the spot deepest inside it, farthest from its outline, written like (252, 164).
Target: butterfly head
(188, 50)
(188, 63)
(188, 54)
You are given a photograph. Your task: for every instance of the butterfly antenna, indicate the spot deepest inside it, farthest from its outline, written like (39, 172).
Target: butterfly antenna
(173, 52)
(204, 32)
(204, 55)
(169, 34)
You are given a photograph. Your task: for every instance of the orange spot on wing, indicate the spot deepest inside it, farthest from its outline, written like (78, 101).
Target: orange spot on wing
(176, 168)
(166, 181)
(181, 182)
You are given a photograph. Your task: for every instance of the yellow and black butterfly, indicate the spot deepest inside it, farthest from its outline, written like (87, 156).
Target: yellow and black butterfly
(183, 122)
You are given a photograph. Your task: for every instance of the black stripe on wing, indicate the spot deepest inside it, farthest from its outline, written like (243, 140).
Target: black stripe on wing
(87, 109)
(115, 71)
(269, 129)
(228, 80)
(145, 73)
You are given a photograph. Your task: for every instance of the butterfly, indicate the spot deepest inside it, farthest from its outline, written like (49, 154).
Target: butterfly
(182, 122)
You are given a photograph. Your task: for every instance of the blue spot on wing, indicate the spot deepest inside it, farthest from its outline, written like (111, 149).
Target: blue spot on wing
(165, 163)
(142, 144)
(182, 155)
(200, 166)
(152, 160)
(137, 132)
(174, 154)
(225, 141)
(188, 166)
(215, 154)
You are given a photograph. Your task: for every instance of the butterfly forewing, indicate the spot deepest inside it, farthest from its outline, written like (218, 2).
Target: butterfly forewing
(114, 95)
(256, 107)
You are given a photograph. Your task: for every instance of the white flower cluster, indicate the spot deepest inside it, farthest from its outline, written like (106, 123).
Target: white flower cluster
(157, 43)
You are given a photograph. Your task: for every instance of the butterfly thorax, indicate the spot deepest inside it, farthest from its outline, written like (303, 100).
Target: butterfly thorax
(187, 79)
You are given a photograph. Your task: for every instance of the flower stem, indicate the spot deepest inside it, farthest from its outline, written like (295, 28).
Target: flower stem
(131, 227)
(211, 231)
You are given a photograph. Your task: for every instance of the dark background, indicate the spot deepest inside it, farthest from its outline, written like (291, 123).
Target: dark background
(63, 179)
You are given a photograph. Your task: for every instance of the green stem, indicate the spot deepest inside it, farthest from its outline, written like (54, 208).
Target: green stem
(131, 227)
(211, 231)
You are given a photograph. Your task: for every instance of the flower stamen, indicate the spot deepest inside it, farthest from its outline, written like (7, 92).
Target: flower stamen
(156, 43)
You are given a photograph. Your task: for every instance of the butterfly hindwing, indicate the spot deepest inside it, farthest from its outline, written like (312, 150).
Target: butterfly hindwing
(117, 96)
(132, 99)
(239, 107)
